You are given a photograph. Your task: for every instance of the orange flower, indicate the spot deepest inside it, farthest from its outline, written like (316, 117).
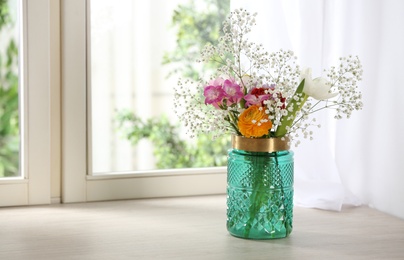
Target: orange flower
(253, 122)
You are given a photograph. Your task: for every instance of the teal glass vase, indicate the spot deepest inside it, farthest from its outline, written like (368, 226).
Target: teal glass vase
(260, 193)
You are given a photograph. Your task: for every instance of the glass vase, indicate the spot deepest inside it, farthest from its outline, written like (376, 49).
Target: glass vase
(260, 193)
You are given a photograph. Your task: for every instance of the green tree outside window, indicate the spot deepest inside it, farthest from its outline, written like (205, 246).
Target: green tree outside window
(9, 115)
(195, 27)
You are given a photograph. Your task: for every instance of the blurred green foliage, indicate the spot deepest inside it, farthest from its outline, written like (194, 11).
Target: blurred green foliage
(196, 23)
(9, 124)
(170, 150)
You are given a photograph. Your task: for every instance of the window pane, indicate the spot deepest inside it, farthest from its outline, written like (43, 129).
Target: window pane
(139, 49)
(9, 115)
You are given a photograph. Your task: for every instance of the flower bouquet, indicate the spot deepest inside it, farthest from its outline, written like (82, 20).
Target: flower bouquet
(265, 101)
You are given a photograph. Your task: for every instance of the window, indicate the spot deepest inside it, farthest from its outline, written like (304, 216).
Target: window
(79, 182)
(35, 75)
(9, 90)
(137, 52)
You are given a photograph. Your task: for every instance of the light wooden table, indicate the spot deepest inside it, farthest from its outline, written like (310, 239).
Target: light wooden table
(189, 228)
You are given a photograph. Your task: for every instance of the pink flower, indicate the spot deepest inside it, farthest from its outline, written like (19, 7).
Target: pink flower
(217, 82)
(214, 95)
(232, 91)
(256, 96)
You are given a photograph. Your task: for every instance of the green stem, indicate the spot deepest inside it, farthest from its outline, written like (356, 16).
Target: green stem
(233, 118)
(256, 201)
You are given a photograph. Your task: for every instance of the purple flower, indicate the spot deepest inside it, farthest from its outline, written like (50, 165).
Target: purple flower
(232, 91)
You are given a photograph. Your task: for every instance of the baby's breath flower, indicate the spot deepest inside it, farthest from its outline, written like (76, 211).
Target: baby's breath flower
(250, 67)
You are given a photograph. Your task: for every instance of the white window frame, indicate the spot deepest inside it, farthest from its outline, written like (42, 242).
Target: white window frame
(78, 184)
(35, 76)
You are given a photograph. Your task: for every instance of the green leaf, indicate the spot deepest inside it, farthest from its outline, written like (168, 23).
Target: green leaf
(296, 106)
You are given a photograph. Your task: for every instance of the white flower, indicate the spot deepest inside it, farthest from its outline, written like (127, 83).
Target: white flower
(317, 88)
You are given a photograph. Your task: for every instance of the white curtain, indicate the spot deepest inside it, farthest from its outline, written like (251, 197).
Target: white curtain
(359, 160)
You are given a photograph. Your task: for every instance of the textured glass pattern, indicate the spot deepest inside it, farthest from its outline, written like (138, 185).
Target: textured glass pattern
(260, 194)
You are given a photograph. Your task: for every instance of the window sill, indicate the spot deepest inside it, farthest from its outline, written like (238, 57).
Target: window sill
(152, 184)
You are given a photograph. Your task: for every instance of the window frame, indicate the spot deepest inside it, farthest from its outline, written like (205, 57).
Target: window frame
(78, 184)
(33, 187)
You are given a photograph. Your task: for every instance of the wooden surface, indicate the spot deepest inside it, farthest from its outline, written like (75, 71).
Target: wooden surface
(189, 228)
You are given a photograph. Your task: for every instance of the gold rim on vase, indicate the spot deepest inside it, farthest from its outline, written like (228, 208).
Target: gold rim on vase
(269, 145)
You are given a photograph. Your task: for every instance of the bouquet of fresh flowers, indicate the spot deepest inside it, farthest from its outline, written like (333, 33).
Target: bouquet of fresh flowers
(258, 94)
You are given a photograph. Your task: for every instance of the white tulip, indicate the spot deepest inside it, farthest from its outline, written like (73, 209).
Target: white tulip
(317, 88)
